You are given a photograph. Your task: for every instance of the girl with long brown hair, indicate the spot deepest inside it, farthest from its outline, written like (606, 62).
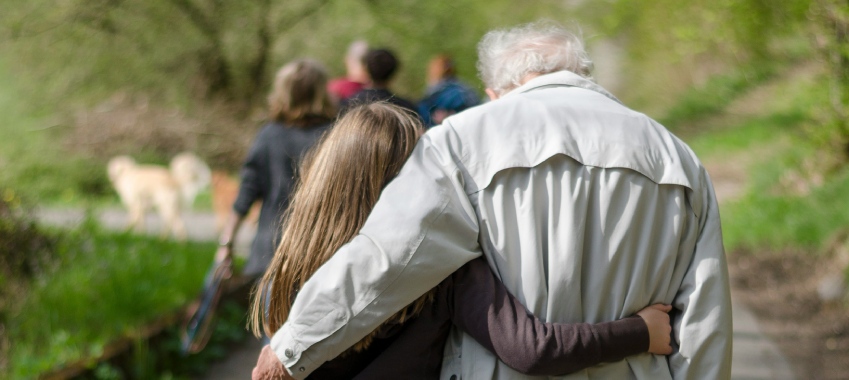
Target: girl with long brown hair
(341, 180)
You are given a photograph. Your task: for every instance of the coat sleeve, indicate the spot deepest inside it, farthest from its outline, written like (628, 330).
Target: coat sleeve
(702, 325)
(422, 229)
(482, 306)
(253, 175)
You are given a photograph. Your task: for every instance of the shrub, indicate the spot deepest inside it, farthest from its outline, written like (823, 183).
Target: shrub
(711, 98)
(103, 286)
(24, 248)
(25, 251)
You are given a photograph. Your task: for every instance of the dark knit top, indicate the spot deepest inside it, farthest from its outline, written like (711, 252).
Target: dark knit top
(478, 303)
(372, 95)
(268, 175)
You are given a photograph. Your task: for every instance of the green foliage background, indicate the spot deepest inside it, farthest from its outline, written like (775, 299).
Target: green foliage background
(77, 53)
(177, 49)
(181, 48)
(67, 66)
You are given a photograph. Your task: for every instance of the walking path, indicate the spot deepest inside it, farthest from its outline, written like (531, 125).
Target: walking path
(755, 356)
(200, 226)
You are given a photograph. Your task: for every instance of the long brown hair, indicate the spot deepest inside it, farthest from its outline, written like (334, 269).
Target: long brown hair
(341, 179)
(299, 93)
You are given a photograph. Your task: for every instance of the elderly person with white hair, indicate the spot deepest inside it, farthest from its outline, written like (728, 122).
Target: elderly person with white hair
(356, 75)
(586, 210)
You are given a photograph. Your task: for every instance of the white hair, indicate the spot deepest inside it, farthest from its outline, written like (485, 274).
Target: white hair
(507, 56)
(357, 50)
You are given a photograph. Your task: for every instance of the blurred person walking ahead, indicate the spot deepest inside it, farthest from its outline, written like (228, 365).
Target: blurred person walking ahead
(300, 111)
(381, 65)
(446, 95)
(355, 77)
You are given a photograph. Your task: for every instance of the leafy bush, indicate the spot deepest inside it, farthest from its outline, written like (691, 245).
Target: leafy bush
(168, 361)
(769, 214)
(161, 358)
(715, 95)
(769, 220)
(831, 23)
(104, 286)
(25, 249)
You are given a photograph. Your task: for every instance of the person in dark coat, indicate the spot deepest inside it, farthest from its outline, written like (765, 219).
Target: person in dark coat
(300, 111)
(381, 65)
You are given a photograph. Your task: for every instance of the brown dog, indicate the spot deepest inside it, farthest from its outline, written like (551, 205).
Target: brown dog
(225, 189)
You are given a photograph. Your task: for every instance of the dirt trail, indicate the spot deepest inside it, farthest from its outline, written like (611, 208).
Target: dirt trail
(775, 292)
(780, 324)
(755, 356)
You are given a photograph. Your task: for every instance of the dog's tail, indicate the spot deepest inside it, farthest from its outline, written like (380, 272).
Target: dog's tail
(191, 173)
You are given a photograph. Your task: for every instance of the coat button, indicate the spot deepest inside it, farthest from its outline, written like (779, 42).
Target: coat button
(302, 369)
(453, 377)
(288, 353)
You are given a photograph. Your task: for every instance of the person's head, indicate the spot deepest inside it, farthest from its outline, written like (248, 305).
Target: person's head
(355, 69)
(299, 93)
(340, 181)
(440, 67)
(381, 65)
(507, 58)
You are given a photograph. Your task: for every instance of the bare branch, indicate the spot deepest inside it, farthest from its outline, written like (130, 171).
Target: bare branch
(200, 19)
(264, 38)
(293, 21)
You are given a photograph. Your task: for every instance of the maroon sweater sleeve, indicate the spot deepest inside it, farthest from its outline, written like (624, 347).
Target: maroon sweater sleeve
(480, 305)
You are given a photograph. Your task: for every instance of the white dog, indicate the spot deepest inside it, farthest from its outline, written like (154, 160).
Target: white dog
(143, 186)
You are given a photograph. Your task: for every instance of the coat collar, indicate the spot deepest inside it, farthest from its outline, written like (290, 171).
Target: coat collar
(561, 78)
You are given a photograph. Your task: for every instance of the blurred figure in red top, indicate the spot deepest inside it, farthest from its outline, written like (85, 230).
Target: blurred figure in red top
(356, 75)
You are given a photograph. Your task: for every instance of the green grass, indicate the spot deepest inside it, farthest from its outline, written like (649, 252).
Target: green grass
(768, 221)
(767, 218)
(105, 285)
(749, 135)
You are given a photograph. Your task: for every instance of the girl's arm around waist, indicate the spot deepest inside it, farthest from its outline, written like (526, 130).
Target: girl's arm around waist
(480, 304)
